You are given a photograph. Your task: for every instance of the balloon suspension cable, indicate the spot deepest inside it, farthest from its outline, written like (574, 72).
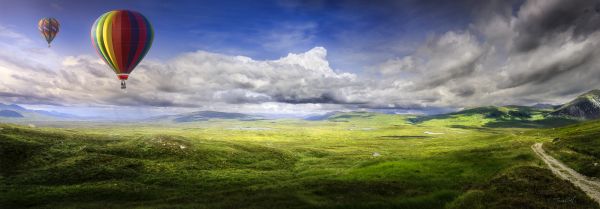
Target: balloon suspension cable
(123, 86)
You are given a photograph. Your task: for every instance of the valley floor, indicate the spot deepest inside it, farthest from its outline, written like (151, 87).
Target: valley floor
(364, 161)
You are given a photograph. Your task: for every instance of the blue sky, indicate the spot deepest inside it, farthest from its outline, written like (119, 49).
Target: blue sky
(356, 34)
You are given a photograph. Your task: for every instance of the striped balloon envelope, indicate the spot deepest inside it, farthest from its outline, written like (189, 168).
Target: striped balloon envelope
(122, 38)
(49, 27)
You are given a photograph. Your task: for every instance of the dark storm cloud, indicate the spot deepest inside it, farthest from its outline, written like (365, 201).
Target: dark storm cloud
(554, 50)
(31, 98)
(325, 98)
(140, 100)
(538, 21)
(464, 70)
(571, 91)
(540, 50)
(464, 91)
(452, 57)
(552, 70)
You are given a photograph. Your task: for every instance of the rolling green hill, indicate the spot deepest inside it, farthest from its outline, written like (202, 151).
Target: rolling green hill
(368, 161)
(497, 117)
(474, 158)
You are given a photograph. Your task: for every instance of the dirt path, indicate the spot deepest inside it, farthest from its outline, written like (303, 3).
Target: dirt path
(589, 186)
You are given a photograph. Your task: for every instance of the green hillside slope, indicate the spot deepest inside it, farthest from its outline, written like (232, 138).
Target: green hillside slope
(497, 117)
(577, 146)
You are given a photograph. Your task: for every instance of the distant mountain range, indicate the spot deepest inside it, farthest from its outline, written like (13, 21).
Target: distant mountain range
(13, 111)
(317, 117)
(586, 106)
(13, 107)
(204, 116)
(341, 116)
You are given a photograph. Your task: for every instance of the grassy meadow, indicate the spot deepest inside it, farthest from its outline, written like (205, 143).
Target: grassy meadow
(352, 160)
(577, 146)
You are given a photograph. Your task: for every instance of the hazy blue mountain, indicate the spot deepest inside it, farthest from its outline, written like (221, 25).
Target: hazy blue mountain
(57, 114)
(11, 107)
(207, 115)
(10, 114)
(317, 117)
(15, 112)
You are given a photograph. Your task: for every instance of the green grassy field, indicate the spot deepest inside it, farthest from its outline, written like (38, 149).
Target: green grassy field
(358, 160)
(578, 146)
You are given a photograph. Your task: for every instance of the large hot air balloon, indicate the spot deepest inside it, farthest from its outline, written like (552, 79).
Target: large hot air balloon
(122, 38)
(49, 27)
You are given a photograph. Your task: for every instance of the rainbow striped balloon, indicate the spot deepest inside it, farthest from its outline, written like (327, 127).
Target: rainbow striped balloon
(49, 27)
(122, 38)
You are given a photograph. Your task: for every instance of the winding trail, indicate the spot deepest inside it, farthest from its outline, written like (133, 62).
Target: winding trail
(586, 184)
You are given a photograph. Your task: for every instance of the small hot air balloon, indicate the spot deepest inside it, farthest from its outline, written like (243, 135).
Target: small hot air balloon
(49, 27)
(122, 38)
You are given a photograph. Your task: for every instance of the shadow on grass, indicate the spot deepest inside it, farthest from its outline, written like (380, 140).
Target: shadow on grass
(524, 187)
(550, 122)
